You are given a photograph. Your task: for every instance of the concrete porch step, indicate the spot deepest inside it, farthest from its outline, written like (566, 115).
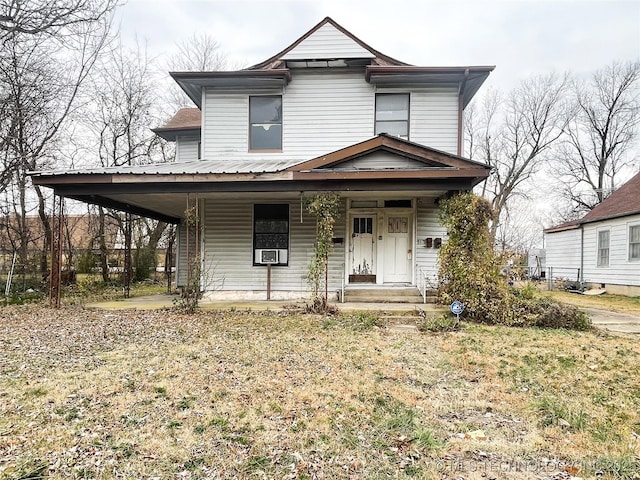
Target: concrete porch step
(384, 294)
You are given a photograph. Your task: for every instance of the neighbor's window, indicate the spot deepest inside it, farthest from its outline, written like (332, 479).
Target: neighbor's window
(265, 118)
(392, 114)
(634, 242)
(603, 248)
(271, 226)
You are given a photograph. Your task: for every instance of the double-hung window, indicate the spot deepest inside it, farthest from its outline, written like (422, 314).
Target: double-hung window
(265, 122)
(392, 114)
(634, 242)
(603, 248)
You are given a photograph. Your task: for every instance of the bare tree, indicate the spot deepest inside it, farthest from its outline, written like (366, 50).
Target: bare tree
(35, 17)
(601, 129)
(124, 97)
(198, 53)
(514, 136)
(41, 75)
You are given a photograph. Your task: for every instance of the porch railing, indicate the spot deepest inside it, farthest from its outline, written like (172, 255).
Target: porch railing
(422, 282)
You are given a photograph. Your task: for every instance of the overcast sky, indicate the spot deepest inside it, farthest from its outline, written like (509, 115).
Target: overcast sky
(520, 37)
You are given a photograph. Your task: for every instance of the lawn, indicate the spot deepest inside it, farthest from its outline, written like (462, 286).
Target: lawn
(229, 394)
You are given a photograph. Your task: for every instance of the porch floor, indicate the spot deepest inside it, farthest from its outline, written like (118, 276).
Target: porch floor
(154, 302)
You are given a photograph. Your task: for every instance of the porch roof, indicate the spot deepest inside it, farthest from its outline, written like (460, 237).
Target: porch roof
(157, 190)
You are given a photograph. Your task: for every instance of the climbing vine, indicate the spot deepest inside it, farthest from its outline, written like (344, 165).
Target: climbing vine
(326, 208)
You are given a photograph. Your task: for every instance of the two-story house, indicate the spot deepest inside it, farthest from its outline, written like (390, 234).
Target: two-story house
(327, 113)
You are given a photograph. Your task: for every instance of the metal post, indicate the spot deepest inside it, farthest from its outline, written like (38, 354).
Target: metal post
(550, 279)
(55, 274)
(128, 268)
(268, 281)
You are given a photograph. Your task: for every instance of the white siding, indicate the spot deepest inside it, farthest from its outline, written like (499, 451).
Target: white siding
(226, 126)
(563, 253)
(327, 43)
(228, 260)
(621, 270)
(434, 118)
(187, 149)
(380, 160)
(428, 225)
(182, 262)
(324, 112)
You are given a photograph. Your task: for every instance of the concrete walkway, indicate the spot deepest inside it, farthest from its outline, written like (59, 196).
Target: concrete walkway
(611, 321)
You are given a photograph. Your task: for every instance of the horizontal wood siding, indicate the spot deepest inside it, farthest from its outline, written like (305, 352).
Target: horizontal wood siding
(186, 149)
(323, 112)
(181, 260)
(563, 253)
(327, 43)
(380, 160)
(428, 225)
(226, 126)
(229, 249)
(621, 271)
(326, 112)
(434, 118)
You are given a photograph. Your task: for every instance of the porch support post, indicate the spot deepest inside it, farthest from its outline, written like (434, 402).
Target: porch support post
(55, 274)
(128, 269)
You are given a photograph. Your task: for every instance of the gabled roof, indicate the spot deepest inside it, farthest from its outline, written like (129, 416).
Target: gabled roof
(419, 162)
(623, 202)
(186, 121)
(297, 50)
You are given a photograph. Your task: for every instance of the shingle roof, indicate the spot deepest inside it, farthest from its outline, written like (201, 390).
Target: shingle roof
(624, 201)
(185, 119)
(621, 203)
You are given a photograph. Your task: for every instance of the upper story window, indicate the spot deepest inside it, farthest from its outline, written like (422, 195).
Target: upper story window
(392, 114)
(265, 122)
(603, 248)
(634, 242)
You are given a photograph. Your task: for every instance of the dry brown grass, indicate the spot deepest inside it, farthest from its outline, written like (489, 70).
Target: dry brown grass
(614, 303)
(94, 394)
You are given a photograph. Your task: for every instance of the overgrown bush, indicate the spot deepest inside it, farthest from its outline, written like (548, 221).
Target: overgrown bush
(469, 271)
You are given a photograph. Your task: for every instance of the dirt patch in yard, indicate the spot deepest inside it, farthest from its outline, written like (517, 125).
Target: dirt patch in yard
(228, 394)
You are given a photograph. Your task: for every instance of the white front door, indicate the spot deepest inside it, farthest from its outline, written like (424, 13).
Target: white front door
(398, 254)
(363, 245)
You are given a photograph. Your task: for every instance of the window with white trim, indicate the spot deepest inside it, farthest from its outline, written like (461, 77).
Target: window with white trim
(603, 248)
(634, 242)
(265, 122)
(392, 114)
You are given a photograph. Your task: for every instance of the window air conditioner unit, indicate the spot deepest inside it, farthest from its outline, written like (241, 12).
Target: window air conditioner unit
(267, 257)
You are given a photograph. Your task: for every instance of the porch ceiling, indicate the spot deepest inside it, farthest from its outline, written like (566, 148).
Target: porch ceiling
(170, 206)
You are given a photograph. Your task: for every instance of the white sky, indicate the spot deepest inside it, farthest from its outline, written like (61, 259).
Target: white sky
(520, 37)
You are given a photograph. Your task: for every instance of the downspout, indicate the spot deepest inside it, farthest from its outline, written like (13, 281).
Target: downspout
(461, 89)
(581, 253)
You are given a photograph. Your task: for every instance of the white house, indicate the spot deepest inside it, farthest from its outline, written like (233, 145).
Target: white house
(327, 113)
(602, 248)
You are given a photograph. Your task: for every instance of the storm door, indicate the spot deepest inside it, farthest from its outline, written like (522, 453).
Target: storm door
(362, 249)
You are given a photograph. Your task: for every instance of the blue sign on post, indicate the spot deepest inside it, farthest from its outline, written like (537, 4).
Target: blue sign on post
(457, 308)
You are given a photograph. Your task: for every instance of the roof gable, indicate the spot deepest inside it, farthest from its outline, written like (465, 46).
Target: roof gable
(400, 154)
(326, 41)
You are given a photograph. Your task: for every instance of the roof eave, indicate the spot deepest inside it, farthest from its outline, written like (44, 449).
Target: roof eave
(468, 79)
(193, 82)
(171, 134)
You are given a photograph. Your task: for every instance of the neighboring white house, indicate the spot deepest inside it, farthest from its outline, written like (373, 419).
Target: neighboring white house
(327, 113)
(603, 248)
